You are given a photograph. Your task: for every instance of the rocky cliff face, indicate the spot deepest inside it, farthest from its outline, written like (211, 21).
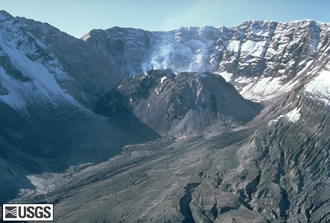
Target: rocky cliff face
(101, 120)
(261, 59)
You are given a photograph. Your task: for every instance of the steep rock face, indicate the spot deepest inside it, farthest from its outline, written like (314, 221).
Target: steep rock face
(259, 58)
(27, 46)
(179, 104)
(45, 87)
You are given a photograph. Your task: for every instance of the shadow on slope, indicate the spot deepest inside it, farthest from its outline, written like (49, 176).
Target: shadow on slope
(53, 139)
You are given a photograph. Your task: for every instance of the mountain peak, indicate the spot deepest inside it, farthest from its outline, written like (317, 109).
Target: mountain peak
(5, 15)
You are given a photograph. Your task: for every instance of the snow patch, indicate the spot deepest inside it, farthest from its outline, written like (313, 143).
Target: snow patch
(294, 115)
(163, 79)
(253, 48)
(43, 84)
(243, 80)
(42, 186)
(305, 68)
(227, 76)
(86, 37)
(274, 121)
(260, 32)
(319, 87)
(234, 46)
(263, 89)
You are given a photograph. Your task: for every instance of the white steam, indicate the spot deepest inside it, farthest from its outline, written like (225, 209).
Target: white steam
(159, 59)
(170, 53)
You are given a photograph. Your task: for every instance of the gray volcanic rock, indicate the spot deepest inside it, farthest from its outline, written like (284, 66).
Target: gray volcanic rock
(80, 128)
(273, 169)
(179, 103)
(255, 56)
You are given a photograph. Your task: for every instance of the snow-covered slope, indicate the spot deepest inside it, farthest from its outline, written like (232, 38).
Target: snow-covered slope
(53, 65)
(261, 59)
(37, 83)
(29, 72)
(319, 87)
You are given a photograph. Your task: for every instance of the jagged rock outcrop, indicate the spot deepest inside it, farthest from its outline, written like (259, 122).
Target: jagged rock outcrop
(186, 103)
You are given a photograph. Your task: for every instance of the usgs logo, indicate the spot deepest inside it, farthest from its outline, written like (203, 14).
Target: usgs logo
(27, 212)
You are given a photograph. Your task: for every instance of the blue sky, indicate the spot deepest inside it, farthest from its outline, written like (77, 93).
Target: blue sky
(79, 17)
